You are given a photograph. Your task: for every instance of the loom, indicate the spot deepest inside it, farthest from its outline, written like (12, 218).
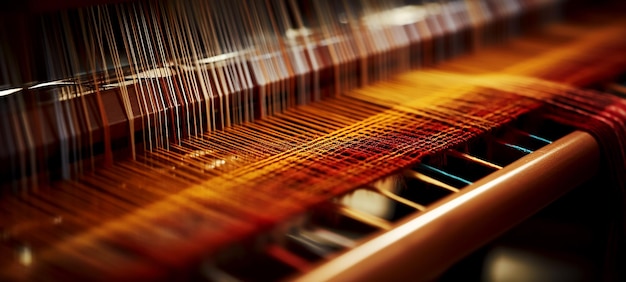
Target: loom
(312, 140)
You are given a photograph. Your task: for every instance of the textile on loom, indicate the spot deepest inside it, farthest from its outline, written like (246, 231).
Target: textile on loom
(265, 172)
(308, 169)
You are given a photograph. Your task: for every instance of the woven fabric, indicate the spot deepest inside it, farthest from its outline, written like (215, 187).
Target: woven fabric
(258, 181)
(181, 202)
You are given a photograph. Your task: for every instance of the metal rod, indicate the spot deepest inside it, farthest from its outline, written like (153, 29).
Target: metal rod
(515, 147)
(533, 136)
(397, 198)
(429, 180)
(445, 173)
(471, 158)
(365, 218)
(288, 257)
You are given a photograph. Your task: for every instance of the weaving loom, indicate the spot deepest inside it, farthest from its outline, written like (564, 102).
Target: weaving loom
(303, 140)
